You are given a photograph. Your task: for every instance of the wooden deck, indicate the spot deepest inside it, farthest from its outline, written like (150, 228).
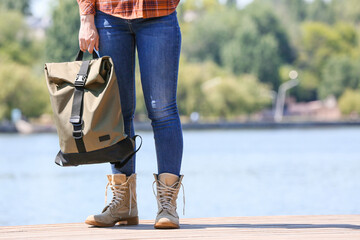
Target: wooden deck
(344, 227)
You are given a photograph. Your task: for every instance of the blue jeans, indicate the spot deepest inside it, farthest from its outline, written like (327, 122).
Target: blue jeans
(158, 42)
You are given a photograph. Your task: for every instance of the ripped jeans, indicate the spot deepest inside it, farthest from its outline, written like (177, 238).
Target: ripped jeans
(158, 42)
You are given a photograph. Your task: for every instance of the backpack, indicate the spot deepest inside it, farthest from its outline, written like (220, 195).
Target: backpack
(85, 101)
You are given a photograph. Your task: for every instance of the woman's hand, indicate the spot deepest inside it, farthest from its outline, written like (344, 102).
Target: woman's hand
(88, 35)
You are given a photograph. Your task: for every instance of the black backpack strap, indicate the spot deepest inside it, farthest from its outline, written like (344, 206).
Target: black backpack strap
(80, 55)
(121, 164)
(77, 106)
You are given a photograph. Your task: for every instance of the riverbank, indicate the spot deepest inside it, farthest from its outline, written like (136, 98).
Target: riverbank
(25, 127)
(145, 126)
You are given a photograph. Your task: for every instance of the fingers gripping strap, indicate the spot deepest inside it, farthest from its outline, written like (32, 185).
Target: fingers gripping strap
(77, 106)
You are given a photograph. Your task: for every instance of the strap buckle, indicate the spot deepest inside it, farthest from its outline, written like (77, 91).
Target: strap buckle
(77, 131)
(76, 120)
(80, 80)
(77, 134)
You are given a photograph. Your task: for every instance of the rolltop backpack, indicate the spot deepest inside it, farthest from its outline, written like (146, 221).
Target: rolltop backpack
(86, 104)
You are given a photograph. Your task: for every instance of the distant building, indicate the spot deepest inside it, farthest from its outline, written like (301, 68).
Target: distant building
(320, 110)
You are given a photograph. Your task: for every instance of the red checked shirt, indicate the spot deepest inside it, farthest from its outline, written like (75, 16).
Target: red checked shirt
(129, 9)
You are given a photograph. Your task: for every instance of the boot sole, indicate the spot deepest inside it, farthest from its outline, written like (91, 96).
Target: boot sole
(166, 225)
(127, 221)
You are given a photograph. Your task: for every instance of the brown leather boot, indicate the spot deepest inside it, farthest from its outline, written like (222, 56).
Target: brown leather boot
(123, 207)
(167, 186)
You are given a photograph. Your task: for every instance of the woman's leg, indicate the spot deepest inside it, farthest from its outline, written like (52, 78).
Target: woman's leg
(158, 41)
(118, 41)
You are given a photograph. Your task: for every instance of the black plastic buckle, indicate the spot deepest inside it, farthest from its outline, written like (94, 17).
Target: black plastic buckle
(80, 80)
(77, 134)
(77, 131)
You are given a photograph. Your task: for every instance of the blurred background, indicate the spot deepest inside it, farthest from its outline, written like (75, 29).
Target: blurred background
(268, 95)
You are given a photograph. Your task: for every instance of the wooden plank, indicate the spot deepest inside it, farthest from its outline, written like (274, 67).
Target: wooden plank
(274, 227)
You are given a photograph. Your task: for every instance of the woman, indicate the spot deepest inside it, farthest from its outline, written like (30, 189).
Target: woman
(116, 29)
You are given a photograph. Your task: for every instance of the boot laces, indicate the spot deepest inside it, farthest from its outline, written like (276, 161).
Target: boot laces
(119, 192)
(165, 196)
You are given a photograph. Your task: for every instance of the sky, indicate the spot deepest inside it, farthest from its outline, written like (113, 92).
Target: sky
(39, 8)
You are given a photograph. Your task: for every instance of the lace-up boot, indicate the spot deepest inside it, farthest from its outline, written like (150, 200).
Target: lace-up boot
(167, 186)
(123, 208)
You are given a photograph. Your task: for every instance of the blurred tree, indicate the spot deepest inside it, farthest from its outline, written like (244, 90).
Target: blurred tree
(339, 74)
(251, 40)
(297, 8)
(290, 9)
(268, 23)
(231, 3)
(211, 91)
(307, 90)
(321, 11)
(327, 54)
(16, 40)
(321, 41)
(290, 13)
(230, 96)
(202, 42)
(248, 52)
(21, 89)
(23, 6)
(349, 102)
(62, 36)
(20, 52)
(346, 10)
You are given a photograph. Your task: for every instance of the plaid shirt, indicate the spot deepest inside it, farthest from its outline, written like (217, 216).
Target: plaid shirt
(129, 9)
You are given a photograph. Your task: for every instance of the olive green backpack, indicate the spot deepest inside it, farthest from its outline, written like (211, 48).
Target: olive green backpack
(85, 100)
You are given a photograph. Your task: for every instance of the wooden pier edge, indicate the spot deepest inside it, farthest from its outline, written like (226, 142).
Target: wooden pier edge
(344, 227)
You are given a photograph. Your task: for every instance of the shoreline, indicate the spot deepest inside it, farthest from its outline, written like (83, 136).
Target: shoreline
(7, 127)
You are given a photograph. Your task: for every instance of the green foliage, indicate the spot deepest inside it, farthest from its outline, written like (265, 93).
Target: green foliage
(22, 6)
(249, 41)
(267, 23)
(200, 5)
(339, 74)
(307, 90)
(231, 3)
(321, 41)
(231, 58)
(20, 88)
(321, 11)
(231, 96)
(349, 102)
(16, 41)
(202, 42)
(62, 36)
(346, 10)
(329, 53)
(20, 51)
(290, 9)
(211, 91)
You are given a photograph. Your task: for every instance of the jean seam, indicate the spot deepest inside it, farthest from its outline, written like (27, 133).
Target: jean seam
(132, 98)
(178, 52)
(130, 26)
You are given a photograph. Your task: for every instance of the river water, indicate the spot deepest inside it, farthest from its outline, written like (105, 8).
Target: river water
(227, 173)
